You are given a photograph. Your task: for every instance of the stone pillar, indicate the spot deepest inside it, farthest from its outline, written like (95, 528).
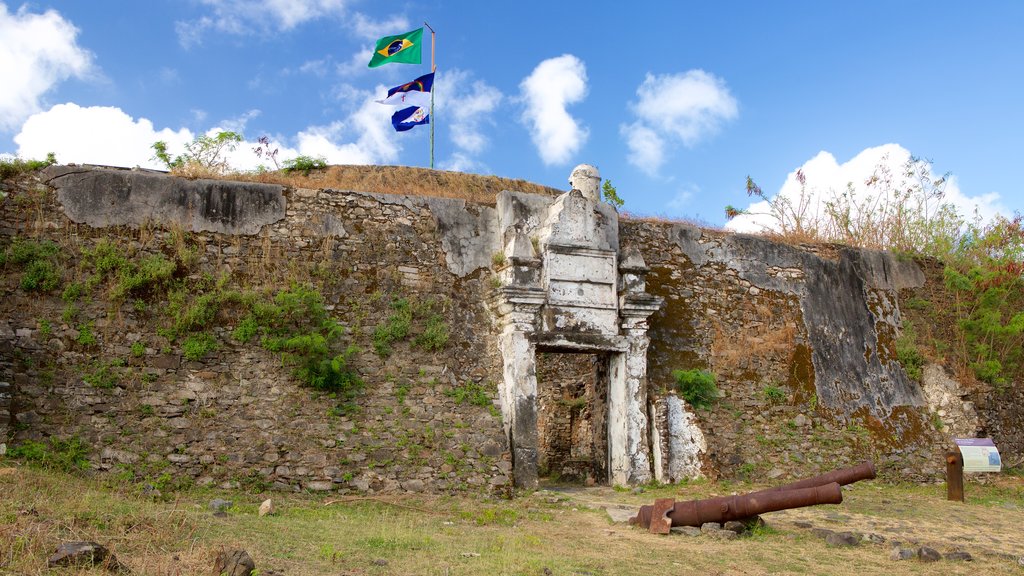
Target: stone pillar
(629, 460)
(516, 304)
(519, 403)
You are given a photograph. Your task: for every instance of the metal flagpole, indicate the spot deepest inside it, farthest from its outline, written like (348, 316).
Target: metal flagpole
(433, 68)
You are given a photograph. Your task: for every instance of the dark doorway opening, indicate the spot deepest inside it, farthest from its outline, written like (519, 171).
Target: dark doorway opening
(572, 407)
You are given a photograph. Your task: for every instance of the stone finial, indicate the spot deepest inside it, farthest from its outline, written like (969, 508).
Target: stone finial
(586, 179)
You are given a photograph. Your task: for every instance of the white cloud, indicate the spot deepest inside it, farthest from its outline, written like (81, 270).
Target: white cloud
(465, 106)
(369, 29)
(374, 141)
(460, 162)
(95, 135)
(239, 123)
(552, 86)
(37, 51)
(240, 17)
(646, 147)
(682, 199)
(825, 178)
(683, 107)
(73, 132)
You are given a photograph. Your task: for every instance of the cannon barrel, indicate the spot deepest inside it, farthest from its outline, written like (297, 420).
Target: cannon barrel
(842, 476)
(726, 508)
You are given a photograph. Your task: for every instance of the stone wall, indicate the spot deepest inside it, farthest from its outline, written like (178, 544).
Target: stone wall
(799, 337)
(237, 416)
(801, 346)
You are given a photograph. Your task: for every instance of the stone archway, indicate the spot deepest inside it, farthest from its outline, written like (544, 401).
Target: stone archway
(566, 285)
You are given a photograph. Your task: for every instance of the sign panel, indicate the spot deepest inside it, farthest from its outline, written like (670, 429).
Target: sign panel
(980, 454)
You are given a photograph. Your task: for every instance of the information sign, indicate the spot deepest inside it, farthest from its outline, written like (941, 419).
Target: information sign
(980, 454)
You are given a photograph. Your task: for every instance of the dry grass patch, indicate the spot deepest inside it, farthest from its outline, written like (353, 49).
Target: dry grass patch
(406, 180)
(546, 532)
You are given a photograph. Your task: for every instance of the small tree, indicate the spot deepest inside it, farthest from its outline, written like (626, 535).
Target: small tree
(611, 195)
(203, 154)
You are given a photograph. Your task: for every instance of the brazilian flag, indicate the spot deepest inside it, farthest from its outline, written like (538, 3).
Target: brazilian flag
(404, 48)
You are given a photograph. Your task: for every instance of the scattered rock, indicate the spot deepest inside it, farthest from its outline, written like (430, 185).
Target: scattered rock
(735, 526)
(822, 533)
(959, 555)
(380, 562)
(686, 530)
(620, 514)
(842, 539)
(901, 553)
(151, 491)
(234, 563)
(926, 554)
(470, 554)
(710, 527)
(722, 535)
(413, 485)
(219, 505)
(874, 538)
(802, 524)
(319, 485)
(267, 507)
(84, 554)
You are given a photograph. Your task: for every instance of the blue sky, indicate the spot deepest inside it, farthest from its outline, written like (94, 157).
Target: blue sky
(675, 102)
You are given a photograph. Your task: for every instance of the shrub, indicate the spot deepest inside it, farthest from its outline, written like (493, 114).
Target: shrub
(473, 393)
(138, 349)
(197, 346)
(304, 164)
(697, 387)
(85, 335)
(71, 455)
(102, 376)
(11, 167)
(434, 336)
(38, 261)
(204, 153)
(40, 276)
(395, 328)
(773, 394)
(150, 272)
(908, 354)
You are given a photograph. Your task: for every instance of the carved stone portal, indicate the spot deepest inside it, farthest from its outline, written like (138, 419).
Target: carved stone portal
(566, 286)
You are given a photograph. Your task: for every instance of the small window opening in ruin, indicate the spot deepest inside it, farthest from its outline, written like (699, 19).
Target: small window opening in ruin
(572, 417)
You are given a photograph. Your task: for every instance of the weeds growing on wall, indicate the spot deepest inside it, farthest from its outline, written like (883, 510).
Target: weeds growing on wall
(697, 387)
(11, 167)
(71, 455)
(295, 323)
(38, 262)
(908, 354)
(399, 325)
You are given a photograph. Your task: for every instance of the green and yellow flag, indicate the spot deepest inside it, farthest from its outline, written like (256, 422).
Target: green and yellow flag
(404, 48)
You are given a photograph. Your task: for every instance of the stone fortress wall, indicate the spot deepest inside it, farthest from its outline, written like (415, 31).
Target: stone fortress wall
(801, 340)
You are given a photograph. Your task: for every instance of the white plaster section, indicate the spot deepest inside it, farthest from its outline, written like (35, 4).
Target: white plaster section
(948, 400)
(685, 442)
(587, 179)
(628, 460)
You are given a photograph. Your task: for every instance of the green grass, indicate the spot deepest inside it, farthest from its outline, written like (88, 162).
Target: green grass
(534, 534)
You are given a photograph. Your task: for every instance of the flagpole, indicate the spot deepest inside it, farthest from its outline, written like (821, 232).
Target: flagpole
(433, 68)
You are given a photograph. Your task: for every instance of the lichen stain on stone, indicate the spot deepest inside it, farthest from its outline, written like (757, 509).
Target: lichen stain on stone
(801, 374)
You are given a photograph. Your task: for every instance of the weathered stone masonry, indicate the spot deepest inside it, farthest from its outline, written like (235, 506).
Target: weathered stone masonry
(533, 275)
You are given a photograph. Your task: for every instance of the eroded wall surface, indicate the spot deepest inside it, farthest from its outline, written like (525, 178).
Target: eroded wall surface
(801, 340)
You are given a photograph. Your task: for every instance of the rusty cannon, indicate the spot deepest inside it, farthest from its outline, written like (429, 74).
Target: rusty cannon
(824, 489)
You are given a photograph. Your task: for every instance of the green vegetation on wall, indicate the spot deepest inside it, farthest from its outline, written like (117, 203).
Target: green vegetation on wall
(697, 387)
